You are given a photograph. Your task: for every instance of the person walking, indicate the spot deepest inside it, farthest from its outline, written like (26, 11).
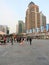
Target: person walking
(11, 40)
(4, 40)
(22, 41)
(30, 41)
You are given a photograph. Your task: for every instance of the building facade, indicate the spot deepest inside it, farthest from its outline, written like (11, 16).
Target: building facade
(33, 18)
(4, 29)
(17, 29)
(42, 22)
(21, 26)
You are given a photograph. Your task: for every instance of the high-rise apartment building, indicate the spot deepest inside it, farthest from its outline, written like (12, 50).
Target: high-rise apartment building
(33, 19)
(42, 21)
(20, 26)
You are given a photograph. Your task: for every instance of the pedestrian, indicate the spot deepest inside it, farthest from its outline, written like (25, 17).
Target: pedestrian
(30, 41)
(4, 40)
(11, 40)
(27, 39)
(22, 41)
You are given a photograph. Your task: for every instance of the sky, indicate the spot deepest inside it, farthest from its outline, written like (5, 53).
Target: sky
(11, 11)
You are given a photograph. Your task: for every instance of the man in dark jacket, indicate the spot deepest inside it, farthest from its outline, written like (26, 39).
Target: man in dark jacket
(30, 41)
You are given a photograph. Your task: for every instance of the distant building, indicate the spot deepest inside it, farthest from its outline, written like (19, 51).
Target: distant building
(17, 29)
(4, 29)
(21, 26)
(42, 21)
(34, 19)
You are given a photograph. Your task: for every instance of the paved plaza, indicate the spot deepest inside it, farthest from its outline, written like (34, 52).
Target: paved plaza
(26, 54)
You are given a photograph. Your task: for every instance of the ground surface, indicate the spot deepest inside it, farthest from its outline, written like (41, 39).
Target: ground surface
(26, 54)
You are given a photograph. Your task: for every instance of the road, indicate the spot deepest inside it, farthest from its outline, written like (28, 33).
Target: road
(26, 54)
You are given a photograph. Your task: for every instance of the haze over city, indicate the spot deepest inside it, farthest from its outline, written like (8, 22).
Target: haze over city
(13, 10)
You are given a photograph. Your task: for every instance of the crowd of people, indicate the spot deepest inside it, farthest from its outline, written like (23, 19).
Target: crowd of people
(12, 39)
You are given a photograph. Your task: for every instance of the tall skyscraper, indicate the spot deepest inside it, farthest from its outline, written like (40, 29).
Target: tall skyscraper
(20, 26)
(42, 21)
(33, 19)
